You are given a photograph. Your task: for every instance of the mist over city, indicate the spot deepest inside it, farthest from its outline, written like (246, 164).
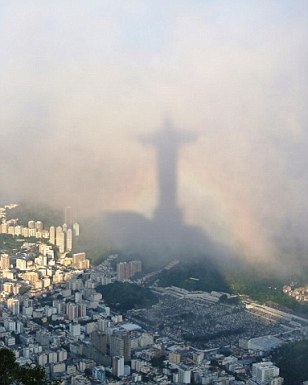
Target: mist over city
(86, 86)
(153, 192)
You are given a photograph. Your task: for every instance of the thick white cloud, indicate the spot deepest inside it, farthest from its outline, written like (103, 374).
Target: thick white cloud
(82, 81)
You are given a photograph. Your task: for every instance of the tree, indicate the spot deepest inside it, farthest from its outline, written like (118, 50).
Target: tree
(8, 366)
(12, 373)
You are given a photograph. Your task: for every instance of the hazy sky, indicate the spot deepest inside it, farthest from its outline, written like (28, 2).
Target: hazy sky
(82, 81)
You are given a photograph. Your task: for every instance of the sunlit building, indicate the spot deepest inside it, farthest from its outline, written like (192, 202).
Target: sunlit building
(68, 216)
(21, 264)
(32, 232)
(52, 235)
(39, 225)
(76, 229)
(31, 224)
(4, 227)
(69, 240)
(60, 239)
(118, 366)
(11, 230)
(13, 305)
(18, 230)
(80, 261)
(25, 232)
(5, 261)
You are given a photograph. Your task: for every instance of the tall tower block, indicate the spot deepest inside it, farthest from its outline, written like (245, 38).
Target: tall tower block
(68, 216)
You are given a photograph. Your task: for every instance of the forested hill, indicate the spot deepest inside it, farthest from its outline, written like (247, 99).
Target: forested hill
(124, 296)
(194, 275)
(292, 359)
(204, 275)
(26, 211)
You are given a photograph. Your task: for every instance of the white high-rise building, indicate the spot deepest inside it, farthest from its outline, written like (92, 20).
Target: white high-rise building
(32, 232)
(60, 239)
(14, 305)
(4, 227)
(18, 230)
(184, 375)
(68, 216)
(69, 240)
(31, 225)
(118, 366)
(5, 261)
(25, 232)
(74, 329)
(52, 357)
(21, 264)
(62, 355)
(76, 229)
(39, 225)
(78, 258)
(264, 372)
(11, 230)
(72, 311)
(42, 359)
(52, 235)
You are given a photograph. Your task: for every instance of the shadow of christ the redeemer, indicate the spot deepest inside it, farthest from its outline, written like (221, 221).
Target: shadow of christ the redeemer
(167, 143)
(166, 234)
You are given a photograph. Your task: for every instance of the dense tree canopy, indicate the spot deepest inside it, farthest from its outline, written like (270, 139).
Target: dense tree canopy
(125, 296)
(12, 373)
(292, 360)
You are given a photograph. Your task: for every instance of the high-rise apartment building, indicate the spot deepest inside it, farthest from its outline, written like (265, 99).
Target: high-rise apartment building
(264, 372)
(118, 366)
(74, 329)
(11, 230)
(4, 227)
(136, 267)
(99, 341)
(69, 240)
(99, 374)
(120, 345)
(72, 311)
(39, 225)
(184, 375)
(25, 232)
(79, 260)
(18, 230)
(31, 224)
(126, 270)
(68, 216)
(76, 229)
(21, 264)
(52, 235)
(60, 239)
(5, 261)
(14, 305)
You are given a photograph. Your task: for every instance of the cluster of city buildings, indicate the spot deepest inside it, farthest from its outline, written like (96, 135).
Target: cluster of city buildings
(71, 332)
(60, 236)
(298, 293)
(52, 313)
